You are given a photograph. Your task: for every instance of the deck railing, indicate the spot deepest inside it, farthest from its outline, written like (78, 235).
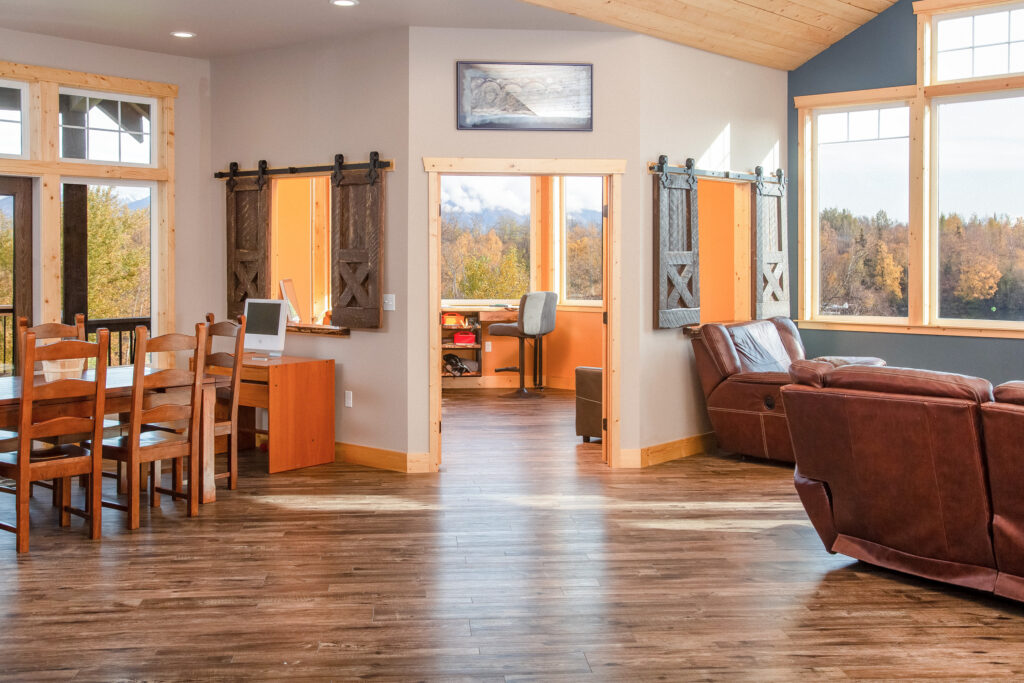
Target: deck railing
(122, 337)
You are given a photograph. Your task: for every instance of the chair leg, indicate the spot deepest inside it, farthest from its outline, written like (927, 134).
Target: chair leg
(22, 494)
(232, 461)
(193, 476)
(83, 481)
(54, 494)
(154, 481)
(94, 500)
(121, 486)
(64, 484)
(176, 476)
(132, 481)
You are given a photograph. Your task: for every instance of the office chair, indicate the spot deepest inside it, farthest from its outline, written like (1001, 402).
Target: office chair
(536, 319)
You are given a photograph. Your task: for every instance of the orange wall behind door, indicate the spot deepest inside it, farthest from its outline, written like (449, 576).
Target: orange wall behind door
(723, 209)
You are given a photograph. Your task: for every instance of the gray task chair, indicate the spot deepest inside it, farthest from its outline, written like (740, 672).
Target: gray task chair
(536, 319)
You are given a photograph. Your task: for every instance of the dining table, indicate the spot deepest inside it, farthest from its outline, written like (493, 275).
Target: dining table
(118, 400)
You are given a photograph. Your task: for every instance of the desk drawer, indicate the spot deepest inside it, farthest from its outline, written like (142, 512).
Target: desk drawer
(254, 394)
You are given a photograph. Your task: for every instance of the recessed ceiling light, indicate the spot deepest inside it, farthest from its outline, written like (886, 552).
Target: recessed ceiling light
(183, 34)
(344, 3)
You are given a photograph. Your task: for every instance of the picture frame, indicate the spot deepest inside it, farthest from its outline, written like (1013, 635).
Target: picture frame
(541, 96)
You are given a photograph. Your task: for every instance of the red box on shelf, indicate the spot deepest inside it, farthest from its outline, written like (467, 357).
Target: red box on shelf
(464, 338)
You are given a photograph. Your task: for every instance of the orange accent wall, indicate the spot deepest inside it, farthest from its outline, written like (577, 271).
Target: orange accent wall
(576, 341)
(724, 212)
(299, 242)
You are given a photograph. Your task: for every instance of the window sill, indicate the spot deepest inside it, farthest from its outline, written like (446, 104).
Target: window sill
(596, 307)
(903, 328)
(323, 330)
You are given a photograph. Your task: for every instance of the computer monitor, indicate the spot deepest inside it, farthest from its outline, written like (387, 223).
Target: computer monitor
(265, 321)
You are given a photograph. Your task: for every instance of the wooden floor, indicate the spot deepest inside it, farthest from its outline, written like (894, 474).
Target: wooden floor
(525, 559)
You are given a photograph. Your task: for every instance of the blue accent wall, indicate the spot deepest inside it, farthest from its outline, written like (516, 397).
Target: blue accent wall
(880, 54)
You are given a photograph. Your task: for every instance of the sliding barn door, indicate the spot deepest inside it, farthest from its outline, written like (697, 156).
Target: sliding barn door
(248, 203)
(357, 220)
(677, 281)
(770, 281)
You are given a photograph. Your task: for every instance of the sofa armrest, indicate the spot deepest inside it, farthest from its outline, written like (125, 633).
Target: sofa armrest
(839, 361)
(779, 378)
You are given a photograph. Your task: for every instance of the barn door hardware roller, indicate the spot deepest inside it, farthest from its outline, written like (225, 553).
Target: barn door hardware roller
(373, 167)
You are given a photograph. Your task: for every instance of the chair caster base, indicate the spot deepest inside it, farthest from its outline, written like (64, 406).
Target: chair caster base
(522, 393)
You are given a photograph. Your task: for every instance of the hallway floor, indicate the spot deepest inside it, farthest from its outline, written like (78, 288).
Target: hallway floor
(525, 559)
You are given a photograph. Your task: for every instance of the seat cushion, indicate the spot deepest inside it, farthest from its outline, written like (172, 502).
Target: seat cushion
(505, 330)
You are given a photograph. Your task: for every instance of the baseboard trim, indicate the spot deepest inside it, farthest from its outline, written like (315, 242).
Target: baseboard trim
(383, 459)
(674, 450)
(502, 381)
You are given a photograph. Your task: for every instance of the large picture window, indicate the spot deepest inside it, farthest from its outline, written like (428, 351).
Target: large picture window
(863, 203)
(582, 258)
(980, 223)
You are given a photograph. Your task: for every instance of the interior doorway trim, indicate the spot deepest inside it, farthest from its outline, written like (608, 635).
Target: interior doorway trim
(612, 169)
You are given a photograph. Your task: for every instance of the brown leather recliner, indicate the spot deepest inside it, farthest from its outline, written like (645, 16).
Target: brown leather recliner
(742, 366)
(890, 466)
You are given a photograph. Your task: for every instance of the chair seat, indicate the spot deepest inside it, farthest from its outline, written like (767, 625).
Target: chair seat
(119, 447)
(505, 330)
(55, 456)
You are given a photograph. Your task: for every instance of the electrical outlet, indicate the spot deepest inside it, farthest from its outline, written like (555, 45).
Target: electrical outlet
(487, 346)
(348, 399)
(389, 302)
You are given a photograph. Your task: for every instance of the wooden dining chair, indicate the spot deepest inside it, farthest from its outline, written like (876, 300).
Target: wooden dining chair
(161, 397)
(43, 416)
(226, 411)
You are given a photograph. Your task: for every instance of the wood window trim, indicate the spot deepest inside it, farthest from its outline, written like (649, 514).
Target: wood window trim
(614, 454)
(922, 288)
(43, 162)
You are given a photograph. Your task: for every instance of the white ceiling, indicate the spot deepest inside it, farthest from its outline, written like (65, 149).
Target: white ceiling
(226, 27)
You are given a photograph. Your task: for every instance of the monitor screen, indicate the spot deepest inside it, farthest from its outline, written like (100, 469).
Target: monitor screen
(263, 317)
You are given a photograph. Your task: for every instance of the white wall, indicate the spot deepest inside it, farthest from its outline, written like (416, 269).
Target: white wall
(197, 266)
(300, 106)
(650, 97)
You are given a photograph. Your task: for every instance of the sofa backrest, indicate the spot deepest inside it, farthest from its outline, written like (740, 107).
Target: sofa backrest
(722, 350)
(901, 454)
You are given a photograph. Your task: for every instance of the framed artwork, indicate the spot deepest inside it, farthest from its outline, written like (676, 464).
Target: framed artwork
(524, 96)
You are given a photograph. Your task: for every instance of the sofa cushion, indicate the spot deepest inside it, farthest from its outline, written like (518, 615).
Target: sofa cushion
(909, 381)
(1010, 392)
(810, 372)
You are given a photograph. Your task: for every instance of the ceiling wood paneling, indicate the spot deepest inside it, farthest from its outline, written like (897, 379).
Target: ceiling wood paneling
(782, 34)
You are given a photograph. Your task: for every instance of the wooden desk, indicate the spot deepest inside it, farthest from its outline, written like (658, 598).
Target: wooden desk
(298, 395)
(118, 400)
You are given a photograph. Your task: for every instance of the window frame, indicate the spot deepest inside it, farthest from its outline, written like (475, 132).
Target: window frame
(923, 98)
(154, 127)
(26, 119)
(957, 13)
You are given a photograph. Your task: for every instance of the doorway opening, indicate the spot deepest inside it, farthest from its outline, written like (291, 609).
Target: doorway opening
(491, 257)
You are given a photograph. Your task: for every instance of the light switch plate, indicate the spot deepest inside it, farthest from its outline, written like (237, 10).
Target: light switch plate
(487, 346)
(348, 399)
(389, 302)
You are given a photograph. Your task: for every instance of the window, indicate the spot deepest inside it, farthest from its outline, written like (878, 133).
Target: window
(99, 127)
(980, 219)
(13, 131)
(485, 237)
(863, 202)
(582, 243)
(116, 239)
(977, 45)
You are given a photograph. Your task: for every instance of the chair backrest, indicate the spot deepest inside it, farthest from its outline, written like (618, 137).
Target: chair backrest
(901, 454)
(722, 350)
(168, 406)
(37, 423)
(223, 359)
(537, 312)
(51, 330)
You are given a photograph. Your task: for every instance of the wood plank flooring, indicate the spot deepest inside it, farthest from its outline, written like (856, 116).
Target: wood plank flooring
(524, 560)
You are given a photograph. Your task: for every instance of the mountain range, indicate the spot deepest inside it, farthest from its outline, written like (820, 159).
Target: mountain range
(488, 217)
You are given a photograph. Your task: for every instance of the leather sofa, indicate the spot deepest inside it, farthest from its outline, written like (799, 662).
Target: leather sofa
(912, 470)
(742, 367)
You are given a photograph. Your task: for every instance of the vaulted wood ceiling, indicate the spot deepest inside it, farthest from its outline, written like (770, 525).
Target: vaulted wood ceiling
(778, 33)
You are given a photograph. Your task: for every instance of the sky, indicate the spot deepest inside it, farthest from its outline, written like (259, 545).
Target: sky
(474, 194)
